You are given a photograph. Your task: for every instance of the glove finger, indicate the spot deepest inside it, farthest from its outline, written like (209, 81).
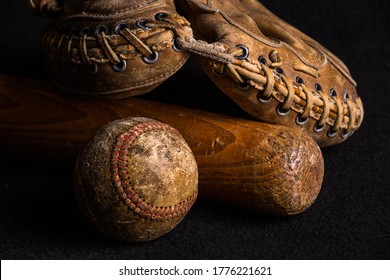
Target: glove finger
(272, 70)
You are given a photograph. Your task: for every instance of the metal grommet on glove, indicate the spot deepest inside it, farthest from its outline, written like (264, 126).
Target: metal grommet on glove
(251, 44)
(112, 51)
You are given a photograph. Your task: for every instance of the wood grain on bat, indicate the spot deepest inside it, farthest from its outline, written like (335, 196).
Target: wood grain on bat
(268, 168)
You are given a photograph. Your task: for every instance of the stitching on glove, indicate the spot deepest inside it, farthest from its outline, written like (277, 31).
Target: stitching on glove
(274, 83)
(115, 48)
(118, 13)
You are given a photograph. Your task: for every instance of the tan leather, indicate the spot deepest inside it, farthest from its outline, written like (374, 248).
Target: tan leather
(272, 70)
(113, 48)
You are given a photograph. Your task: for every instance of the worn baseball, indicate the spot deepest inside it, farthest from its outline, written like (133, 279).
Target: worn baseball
(136, 179)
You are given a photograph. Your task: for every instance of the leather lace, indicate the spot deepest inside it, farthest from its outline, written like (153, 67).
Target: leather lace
(98, 47)
(325, 109)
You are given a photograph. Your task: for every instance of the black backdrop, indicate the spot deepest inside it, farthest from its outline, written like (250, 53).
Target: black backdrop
(39, 217)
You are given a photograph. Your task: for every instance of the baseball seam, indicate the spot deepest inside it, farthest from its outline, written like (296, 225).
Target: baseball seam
(126, 192)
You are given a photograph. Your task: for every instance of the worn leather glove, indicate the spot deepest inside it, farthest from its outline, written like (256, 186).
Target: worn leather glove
(272, 70)
(115, 48)
(121, 48)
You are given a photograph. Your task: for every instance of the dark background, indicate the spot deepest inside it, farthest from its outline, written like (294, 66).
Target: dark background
(39, 218)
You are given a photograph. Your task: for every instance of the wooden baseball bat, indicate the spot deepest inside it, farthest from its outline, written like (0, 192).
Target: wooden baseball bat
(267, 168)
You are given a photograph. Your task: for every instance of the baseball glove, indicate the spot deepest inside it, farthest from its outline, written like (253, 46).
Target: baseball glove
(272, 70)
(113, 48)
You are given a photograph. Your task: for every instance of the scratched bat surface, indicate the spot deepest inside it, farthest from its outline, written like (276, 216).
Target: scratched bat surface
(266, 168)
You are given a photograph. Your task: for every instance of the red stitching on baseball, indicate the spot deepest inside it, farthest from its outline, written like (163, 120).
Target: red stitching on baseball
(120, 177)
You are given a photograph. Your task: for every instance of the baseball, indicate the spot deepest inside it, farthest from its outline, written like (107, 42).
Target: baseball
(136, 179)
